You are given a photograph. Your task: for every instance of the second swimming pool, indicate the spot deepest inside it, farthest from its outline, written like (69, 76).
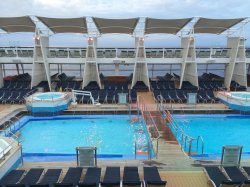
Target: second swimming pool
(113, 135)
(218, 130)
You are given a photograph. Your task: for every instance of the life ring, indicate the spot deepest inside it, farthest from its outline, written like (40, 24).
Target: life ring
(133, 120)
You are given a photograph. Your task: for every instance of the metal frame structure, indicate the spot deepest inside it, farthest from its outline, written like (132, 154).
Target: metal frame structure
(235, 68)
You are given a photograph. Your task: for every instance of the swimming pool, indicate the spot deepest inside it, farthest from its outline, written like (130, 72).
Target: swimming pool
(53, 138)
(218, 130)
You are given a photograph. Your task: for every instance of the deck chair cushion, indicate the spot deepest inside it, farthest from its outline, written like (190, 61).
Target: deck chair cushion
(39, 185)
(88, 184)
(15, 185)
(157, 182)
(231, 182)
(63, 184)
(108, 183)
(132, 183)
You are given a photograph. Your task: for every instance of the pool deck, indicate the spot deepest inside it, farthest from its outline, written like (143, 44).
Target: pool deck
(175, 167)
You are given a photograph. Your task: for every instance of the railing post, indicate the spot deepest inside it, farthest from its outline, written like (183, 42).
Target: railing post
(190, 147)
(135, 150)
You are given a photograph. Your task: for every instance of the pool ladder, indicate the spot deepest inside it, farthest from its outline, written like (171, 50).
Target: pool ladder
(185, 139)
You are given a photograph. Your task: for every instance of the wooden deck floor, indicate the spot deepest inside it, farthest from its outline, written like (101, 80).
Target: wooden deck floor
(185, 179)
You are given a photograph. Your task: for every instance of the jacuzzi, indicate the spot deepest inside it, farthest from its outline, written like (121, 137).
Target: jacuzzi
(236, 100)
(48, 102)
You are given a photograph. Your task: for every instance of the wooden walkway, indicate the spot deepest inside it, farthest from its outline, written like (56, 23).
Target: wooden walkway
(170, 155)
(153, 113)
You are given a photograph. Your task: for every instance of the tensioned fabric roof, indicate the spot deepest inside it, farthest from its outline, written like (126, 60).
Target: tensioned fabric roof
(123, 26)
(65, 25)
(215, 26)
(168, 26)
(17, 24)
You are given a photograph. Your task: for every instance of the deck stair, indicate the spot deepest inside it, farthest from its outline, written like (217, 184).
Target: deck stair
(169, 152)
(150, 111)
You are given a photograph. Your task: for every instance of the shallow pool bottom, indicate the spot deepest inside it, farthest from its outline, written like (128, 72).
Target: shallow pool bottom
(41, 142)
(217, 130)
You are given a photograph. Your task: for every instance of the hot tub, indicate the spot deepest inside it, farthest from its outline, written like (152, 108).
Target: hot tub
(236, 100)
(48, 102)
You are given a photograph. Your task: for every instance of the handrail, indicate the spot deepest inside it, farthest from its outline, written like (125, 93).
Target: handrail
(18, 120)
(142, 107)
(10, 144)
(80, 92)
(184, 137)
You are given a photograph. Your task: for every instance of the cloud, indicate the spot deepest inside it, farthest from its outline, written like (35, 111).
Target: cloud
(126, 9)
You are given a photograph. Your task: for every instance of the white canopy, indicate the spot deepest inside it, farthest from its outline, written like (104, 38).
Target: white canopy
(168, 26)
(215, 26)
(65, 25)
(17, 24)
(124, 26)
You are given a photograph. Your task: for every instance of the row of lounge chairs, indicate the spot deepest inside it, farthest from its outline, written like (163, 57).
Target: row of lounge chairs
(35, 178)
(107, 96)
(229, 176)
(14, 97)
(16, 85)
(181, 96)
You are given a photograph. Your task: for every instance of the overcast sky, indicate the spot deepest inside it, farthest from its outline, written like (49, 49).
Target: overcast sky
(124, 9)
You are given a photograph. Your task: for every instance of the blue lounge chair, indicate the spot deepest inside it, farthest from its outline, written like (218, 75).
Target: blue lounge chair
(237, 176)
(32, 176)
(152, 177)
(92, 178)
(112, 177)
(49, 178)
(131, 177)
(218, 179)
(12, 177)
(71, 178)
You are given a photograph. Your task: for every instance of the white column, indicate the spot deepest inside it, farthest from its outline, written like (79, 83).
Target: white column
(239, 73)
(188, 66)
(1, 75)
(91, 72)
(140, 68)
(237, 56)
(40, 68)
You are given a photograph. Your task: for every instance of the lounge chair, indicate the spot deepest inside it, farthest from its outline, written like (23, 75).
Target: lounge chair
(131, 177)
(49, 178)
(12, 177)
(152, 177)
(218, 179)
(71, 178)
(112, 177)
(92, 178)
(32, 176)
(235, 175)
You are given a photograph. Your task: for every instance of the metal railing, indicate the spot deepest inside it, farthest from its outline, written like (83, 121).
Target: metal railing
(186, 141)
(8, 133)
(152, 129)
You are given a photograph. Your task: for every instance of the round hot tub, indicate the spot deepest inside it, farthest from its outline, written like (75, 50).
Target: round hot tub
(48, 102)
(236, 100)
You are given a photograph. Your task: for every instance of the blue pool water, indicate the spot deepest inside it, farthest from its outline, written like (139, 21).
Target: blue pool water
(243, 95)
(49, 95)
(218, 130)
(114, 136)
